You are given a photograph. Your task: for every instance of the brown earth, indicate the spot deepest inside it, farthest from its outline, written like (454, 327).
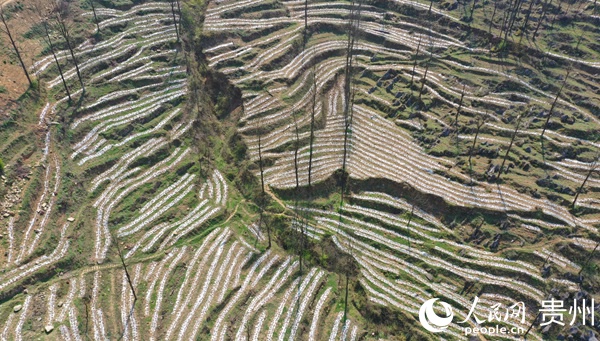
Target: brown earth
(12, 80)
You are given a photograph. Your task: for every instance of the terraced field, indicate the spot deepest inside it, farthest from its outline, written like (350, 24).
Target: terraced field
(383, 153)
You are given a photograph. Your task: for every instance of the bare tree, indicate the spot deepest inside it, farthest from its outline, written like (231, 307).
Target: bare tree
(480, 123)
(515, 10)
(313, 111)
(412, 211)
(424, 79)
(124, 265)
(493, 15)
(593, 168)
(526, 21)
(541, 18)
(296, 148)
(6, 30)
(129, 281)
(60, 71)
(353, 32)
(412, 77)
(262, 187)
(173, 4)
(472, 10)
(96, 21)
(62, 15)
(41, 11)
(305, 22)
(460, 103)
(556, 13)
(554, 103)
(301, 241)
(512, 140)
(347, 129)
(430, 6)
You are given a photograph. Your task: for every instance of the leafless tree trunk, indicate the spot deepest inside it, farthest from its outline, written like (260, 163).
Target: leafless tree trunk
(472, 10)
(305, 22)
(480, 124)
(578, 42)
(297, 195)
(173, 3)
(541, 18)
(347, 129)
(63, 29)
(424, 80)
(412, 77)
(14, 45)
(262, 187)
(558, 11)
(296, 148)
(312, 127)
(554, 104)
(515, 14)
(412, 210)
(493, 15)
(505, 16)
(51, 46)
(591, 170)
(129, 281)
(512, 140)
(353, 32)
(531, 325)
(460, 103)
(96, 21)
(527, 16)
(122, 259)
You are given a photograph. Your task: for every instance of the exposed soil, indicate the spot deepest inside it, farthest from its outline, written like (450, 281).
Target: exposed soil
(13, 82)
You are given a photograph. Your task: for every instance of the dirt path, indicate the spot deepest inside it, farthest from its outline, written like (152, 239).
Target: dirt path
(268, 190)
(233, 213)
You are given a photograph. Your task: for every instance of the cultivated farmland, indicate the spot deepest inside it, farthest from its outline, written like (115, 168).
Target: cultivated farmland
(300, 170)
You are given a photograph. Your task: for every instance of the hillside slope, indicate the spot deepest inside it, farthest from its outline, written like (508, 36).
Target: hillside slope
(317, 170)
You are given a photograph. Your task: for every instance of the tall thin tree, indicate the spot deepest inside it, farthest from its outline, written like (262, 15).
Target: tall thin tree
(412, 75)
(62, 15)
(493, 15)
(262, 187)
(472, 10)
(173, 12)
(480, 123)
(51, 46)
(541, 18)
(96, 21)
(554, 103)
(526, 21)
(460, 103)
(305, 22)
(353, 32)
(592, 169)
(313, 112)
(512, 140)
(424, 79)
